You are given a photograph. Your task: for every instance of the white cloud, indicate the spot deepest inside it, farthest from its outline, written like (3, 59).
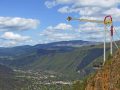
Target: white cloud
(98, 3)
(92, 18)
(60, 32)
(68, 9)
(89, 7)
(95, 32)
(50, 4)
(80, 10)
(64, 1)
(115, 12)
(91, 27)
(62, 36)
(17, 23)
(10, 39)
(53, 3)
(91, 31)
(89, 10)
(8, 44)
(65, 9)
(14, 37)
(87, 31)
(10, 24)
(61, 26)
(57, 36)
(86, 9)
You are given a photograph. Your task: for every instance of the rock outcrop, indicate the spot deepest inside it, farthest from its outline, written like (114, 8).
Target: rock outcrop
(107, 78)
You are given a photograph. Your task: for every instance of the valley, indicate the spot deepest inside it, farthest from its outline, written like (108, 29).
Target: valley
(51, 65)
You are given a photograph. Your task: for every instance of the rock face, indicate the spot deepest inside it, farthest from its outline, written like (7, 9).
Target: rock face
(108, 78)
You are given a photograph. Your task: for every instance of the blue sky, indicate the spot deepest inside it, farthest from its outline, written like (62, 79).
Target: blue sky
(30, 22)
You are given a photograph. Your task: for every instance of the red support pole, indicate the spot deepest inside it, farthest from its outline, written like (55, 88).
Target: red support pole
(112, 30)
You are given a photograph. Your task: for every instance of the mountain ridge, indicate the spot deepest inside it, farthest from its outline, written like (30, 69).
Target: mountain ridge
(51, 56)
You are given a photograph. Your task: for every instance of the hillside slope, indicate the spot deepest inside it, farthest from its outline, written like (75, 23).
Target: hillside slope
(71, 62)
(108, 78)
(68, 63)
(6, 78)
(72, 59)
(9, 80)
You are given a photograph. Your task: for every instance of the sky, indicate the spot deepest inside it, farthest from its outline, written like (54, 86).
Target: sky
(31, 22)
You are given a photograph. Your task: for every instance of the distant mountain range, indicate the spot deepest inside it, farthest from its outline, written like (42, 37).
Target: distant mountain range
(27, 66)
(63, 45)
(66, 57)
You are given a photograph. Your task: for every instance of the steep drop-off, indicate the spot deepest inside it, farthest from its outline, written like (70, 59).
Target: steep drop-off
(108, 78)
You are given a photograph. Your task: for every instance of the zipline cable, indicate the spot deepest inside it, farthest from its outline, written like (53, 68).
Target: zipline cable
(117, 33)
(114, 41)
(116, 44)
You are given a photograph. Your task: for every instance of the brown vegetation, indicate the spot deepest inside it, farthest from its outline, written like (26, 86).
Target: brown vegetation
(108, 78)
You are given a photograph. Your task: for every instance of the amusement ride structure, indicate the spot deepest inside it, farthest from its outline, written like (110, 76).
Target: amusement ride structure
(108, 27)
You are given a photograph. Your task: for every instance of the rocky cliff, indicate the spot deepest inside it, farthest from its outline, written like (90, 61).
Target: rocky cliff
(108, 77)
